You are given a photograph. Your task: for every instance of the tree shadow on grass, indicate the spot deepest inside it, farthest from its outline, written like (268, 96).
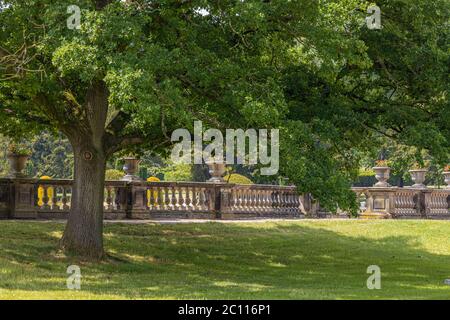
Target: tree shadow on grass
(232, 261)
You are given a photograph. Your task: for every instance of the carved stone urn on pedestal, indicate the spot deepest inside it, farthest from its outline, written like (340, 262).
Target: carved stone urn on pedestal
(131, 166)
(216, 170)
(17, 163)
(418, 176)
(382, 175)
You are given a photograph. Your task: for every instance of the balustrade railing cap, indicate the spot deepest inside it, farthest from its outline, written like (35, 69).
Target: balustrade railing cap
(377, 189)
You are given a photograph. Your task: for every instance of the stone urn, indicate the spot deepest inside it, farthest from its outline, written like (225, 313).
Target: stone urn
(131, 166)
(447, 178)
(382, 175)
(17, 163)
(418, 176)
(216, 170)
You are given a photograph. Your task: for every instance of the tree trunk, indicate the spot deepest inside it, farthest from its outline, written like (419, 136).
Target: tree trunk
(84, 229)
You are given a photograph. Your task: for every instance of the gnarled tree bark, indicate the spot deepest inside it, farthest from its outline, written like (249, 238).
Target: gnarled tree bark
(84, 230)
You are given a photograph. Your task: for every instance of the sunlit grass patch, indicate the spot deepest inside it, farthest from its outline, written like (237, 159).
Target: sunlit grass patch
(309, 259)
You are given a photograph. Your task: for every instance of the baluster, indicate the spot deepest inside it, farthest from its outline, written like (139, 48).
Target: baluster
(265, 200)
(188, 199)
(166, 198)
(173, 198)
(206, 198)
(54, 199)
(117, 198)
(148, 196)
(248, 200)
(297, 204)
(245, 199)
(252, 200)
(181, 204)
(294, 205)
(194, 202)
(207, 194)
(287, 202)
(45, 198)
(233, 202)
(257, 201)
(282, 201)
(201, 200)
(159, 197)
(151, 198)
(400, 203)
(269, 200)
(291, 202)
(109, 198)
(242, 200)
(277, 201)
(114, 195)
(64, 199)
(262, 200)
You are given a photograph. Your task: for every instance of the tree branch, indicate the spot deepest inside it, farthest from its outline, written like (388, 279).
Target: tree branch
(100, 4)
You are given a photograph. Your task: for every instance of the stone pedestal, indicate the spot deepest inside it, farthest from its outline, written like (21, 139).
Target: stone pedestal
(5, 198)
(380, 204)
(137, 201)
(24, 199)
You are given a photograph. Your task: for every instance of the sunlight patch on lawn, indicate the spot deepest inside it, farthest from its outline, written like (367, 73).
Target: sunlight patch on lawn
(247, 286)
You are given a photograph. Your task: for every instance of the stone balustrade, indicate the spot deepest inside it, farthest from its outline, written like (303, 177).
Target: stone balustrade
(404, 203)
(172, 200)
(25, 198)
(262, 201)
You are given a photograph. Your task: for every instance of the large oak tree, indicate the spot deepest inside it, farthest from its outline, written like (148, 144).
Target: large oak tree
(136, 70)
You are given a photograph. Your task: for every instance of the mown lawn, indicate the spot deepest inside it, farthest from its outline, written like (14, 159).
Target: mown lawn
(308, 259)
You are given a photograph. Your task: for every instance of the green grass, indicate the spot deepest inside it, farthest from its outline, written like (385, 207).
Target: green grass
(323, 259)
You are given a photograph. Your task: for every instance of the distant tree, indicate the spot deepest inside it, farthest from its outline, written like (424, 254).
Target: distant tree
(51, 156)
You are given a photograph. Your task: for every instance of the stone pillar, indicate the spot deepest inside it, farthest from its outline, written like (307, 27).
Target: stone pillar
(380, 203)
(137, 201)
(6, 196)
(215, 206)
(222, 201)
(308, 205)
(24, 195)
